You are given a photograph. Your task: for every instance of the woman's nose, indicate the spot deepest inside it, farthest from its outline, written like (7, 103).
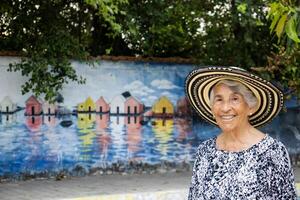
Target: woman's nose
(225, 107)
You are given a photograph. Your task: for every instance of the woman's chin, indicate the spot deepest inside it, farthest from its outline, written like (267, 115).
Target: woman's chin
(227, 127)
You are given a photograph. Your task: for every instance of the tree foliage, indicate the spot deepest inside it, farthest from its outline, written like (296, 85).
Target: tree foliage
(49, 34)
(285, 21)
(283, 64)
(216, 32)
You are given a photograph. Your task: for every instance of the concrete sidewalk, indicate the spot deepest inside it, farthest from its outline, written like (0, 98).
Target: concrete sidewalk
(138, 186)
(165, 186)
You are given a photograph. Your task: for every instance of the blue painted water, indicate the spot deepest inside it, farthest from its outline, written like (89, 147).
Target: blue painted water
(77, 144)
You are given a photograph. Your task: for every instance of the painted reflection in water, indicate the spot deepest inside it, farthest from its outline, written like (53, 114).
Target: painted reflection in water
(127, 115)
(42, 144)
(134, 137)
(163, 129)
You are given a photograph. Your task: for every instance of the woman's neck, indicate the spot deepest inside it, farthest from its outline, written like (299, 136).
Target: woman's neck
(239, 140)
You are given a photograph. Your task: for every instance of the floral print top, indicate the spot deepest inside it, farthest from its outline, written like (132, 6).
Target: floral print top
(261, 172)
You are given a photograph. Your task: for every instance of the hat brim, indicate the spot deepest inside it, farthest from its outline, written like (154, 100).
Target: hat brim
(200, 82)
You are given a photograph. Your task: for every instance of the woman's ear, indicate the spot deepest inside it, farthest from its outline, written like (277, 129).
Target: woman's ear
(251, 111)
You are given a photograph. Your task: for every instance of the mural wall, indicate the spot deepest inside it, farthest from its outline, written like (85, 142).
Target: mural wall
(129, 117)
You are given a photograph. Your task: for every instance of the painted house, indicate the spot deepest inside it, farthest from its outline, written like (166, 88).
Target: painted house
(49, 108)
(163, 107)
(34, 123)
(8, 119)
(85, 121)
(102, 121)
(133, 122)
(49, 120)
(33, 106)
(104, 138)
(102, 106)
(117, 105)
(7, 105)
(117, 127)
(134, 135)
(133, 106)
(163, 129)
(87, 106)
(86, 145)
(183, 107)
(87, 140)
(80, 107)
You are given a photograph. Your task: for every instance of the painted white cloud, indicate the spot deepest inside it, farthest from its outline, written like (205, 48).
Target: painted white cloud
(138, 88)
(169, 95)
(149, 100)
(96, 85)
(163, 84)
(134, 85)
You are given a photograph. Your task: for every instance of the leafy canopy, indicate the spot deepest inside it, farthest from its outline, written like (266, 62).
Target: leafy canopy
(283, 64)
(50, 34)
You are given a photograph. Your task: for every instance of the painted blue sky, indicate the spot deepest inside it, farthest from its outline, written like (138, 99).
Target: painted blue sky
(147, 82)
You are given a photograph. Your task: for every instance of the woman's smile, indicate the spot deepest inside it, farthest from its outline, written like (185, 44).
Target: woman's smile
(227, 117)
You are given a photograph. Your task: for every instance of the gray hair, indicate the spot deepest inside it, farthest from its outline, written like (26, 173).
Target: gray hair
(237, 87)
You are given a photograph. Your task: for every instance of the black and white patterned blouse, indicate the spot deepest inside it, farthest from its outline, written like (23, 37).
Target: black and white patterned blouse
(261, 172)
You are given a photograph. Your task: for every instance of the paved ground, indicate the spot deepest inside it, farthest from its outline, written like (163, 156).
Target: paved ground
(100, 187)
(166, 186)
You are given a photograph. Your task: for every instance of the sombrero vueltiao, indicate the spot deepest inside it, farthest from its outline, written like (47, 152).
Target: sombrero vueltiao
(199, 83)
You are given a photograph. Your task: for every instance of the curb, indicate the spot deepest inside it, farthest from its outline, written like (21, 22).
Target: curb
(161, 195)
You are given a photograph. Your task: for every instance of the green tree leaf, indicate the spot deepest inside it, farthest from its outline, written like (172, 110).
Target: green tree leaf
(242, 8)
(291, 30)
(280, 25)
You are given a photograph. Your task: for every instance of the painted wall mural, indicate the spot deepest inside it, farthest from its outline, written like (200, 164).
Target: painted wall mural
(128, 117)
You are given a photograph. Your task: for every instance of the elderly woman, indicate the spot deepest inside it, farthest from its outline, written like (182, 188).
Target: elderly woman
(241, 162)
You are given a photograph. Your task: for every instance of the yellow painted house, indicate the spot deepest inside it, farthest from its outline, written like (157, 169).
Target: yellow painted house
(163, 129)
(88, 106)
(87, 135)
(86, 145)
(87, 140)
(85, 121)
(163, 106)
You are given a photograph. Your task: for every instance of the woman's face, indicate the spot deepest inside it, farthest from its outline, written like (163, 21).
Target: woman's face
(229, 108)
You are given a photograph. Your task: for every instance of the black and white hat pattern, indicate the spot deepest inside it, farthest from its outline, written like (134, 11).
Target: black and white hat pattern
(199, 83)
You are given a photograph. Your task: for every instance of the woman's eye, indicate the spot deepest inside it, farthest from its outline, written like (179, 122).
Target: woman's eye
(235, 99)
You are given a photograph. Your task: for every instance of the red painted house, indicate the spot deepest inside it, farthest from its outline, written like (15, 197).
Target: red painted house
(34, 123)
(33, 106)
(133, 122)
(133, 106)
(102, 121)
(134, 134)
(102, 106)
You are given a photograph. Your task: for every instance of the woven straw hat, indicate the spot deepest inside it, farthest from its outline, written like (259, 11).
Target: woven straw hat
(200, 82)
